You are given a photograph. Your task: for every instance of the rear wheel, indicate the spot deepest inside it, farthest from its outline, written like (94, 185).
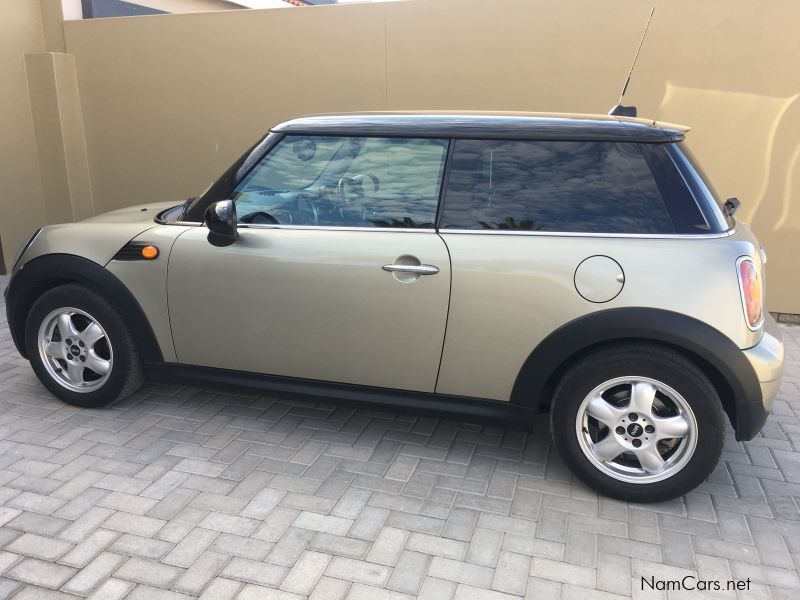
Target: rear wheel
(638, 422)
(80, 348)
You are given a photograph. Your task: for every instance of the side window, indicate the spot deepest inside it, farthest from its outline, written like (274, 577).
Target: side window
(346, 182)
(584, 187)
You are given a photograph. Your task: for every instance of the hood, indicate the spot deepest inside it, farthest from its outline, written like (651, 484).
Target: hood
(141, 213)
(97, 238)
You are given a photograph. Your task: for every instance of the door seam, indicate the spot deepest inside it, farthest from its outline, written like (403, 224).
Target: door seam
(166, 294)
(447, 314)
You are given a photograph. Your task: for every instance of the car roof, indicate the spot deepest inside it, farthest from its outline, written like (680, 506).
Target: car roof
(494, 125)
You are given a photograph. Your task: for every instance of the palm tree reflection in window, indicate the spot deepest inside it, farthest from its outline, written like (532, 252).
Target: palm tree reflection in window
(510, 223)
(406, 222)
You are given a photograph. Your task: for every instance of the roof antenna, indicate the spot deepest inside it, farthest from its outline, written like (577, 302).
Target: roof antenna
(630, 111)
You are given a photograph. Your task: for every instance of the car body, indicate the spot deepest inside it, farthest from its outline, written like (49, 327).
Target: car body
(452, 263)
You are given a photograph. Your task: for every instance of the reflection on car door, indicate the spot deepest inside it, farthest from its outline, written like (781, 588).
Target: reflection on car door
(313, 304)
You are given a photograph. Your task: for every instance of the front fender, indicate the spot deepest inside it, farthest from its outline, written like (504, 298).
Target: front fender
(40, 274)
(722, 361)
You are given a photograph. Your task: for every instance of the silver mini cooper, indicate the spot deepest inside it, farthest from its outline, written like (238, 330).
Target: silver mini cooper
(486, 266)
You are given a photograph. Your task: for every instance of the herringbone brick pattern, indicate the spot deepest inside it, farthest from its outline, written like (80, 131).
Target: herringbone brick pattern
(180, 493)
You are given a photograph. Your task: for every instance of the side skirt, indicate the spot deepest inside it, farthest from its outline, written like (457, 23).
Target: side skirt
(430, 405)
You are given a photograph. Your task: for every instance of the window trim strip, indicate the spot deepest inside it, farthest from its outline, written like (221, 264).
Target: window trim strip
(657, 236)
(431, 230)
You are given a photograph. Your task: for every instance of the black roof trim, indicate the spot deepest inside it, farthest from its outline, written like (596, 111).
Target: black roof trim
(481, 126)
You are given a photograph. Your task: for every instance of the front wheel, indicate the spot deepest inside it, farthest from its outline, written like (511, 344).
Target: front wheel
(638, 423)
(80, 348)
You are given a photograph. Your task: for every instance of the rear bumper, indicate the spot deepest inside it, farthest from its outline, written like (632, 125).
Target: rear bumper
(766, 360)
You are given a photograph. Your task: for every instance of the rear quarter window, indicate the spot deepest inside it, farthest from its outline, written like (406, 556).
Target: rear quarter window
(559, 186)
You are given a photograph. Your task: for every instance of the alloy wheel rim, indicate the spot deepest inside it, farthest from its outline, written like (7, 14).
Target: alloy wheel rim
(636, 429)
(75, 350)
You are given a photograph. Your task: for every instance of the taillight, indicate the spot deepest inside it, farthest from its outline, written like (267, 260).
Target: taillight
(752, 293)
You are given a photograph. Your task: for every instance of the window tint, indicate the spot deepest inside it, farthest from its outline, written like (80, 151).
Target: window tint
(345, 181)
(592, 187)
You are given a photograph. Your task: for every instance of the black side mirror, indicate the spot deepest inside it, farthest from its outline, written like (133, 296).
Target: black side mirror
(731, 206)
(220, 219)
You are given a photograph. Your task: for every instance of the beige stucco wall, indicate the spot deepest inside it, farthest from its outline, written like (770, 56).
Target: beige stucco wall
(169, 101)
(21, 199)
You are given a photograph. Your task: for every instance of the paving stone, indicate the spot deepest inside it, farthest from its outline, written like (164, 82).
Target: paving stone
(366, 592)
(329, 588)
(148, 572)
(263, 503)
(38, 546)
(339, 545)
(147, 592)
(409, 572)
(387, 547)
(461, 524)
(544, 568)
(41, 524)
(437, 589)
(358, 571)
(37, 593)
(614, 573)
(190, 548)
(290, 547)
(418, 523)
(484, 549)
(580, 548)
(40, 573)
(135, 524)
(229, 524)
(543, 589)
(85, 551)
(461, 572)
(303, 577)
(7, 514)
(351, 503)
(112, 589)
(511, 574)
(235, 545)
(275, 525)
(531, 546)
(6, 560)
(676, 549)
(437, 546)
(324, 523)
(93, 574)
(142, 547)
(221, 589)
(202, 570)
(255, 572)
(37, 503)
(731, 550)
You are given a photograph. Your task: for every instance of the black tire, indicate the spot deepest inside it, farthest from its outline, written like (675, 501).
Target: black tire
(654, 362)
(126, 371)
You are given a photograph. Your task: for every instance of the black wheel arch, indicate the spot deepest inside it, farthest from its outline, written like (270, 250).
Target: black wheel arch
(51, 270)
(718, 356)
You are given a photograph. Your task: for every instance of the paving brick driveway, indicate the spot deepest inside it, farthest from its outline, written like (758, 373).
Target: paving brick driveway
(183, 492)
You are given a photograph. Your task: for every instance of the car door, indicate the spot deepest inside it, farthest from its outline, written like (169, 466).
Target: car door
(337, 273)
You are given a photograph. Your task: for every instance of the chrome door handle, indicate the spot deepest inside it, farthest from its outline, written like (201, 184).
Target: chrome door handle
(416, 269)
